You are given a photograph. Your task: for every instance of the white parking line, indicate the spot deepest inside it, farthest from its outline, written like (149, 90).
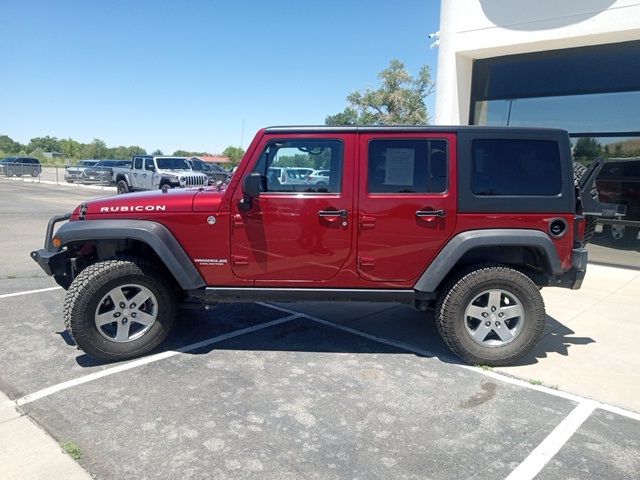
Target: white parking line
(540, 456)
(17, 294)
(45, 392)
(487, 373)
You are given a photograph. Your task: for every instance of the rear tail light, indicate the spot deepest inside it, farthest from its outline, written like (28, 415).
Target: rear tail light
(579, 225)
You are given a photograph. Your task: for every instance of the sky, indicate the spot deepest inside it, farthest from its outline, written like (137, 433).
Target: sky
(187, 74)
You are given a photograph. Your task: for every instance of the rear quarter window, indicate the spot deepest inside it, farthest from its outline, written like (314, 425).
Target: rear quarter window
(515, 167)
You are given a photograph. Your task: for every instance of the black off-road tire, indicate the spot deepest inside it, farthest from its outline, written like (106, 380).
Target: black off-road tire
(590, 221)
(34, 173)
(122, 187)
(460, 291)
(93, 283)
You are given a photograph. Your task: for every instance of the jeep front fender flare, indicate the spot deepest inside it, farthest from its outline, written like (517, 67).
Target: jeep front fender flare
(466, 241)
(155, 235)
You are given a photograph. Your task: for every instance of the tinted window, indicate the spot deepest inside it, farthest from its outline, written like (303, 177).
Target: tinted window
(284, 165)
(137, 163)
(148, 164)
(407, 166)
(172, 164)
(516, 167)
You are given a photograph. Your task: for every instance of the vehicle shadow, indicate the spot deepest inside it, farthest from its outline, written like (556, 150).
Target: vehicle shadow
(557, 338)
(396, 330)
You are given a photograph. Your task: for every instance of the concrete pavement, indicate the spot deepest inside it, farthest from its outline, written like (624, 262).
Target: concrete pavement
(30, 453)
(589, 347)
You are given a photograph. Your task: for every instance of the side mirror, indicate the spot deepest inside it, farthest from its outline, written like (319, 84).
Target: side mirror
(251, 188)
(252, 185)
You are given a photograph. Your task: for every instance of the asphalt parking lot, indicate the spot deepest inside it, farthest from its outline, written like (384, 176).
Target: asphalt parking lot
(264, 391)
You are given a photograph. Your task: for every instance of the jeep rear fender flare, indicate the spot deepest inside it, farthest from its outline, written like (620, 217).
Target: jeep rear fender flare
(155, 235)
(462, 243)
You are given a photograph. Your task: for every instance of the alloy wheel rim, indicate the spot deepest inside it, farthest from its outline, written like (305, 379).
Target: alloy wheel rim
(494, 318)
(126, 313)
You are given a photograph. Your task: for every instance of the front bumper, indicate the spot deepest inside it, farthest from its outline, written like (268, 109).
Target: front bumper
(51, 259)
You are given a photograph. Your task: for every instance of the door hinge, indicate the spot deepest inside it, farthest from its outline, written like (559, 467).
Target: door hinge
(238, 221)
(367, 222)
(366, 262)
(239, 260)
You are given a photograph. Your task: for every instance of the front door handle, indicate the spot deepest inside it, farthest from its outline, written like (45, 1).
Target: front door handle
(333, 213)
(431, 213)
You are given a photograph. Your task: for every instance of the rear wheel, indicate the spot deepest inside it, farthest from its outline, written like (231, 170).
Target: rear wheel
(490, 315)
(119, 309)
(123, 187)
(34, 172)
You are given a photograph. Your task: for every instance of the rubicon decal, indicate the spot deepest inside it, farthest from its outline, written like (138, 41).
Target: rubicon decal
(134, 208)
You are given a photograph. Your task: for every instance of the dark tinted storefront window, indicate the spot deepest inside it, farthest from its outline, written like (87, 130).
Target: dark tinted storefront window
(592, 92)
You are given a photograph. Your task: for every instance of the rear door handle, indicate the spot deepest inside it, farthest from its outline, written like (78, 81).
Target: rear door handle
(431, 213)
(333, 213)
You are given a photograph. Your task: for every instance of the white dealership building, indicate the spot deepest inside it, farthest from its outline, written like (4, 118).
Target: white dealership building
(574, 64)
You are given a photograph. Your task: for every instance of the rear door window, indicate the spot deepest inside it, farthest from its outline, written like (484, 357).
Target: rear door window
(407, 166)
(516, 167)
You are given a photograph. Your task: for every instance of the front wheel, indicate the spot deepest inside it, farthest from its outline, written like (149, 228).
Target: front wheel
(123, 187)
(490, 315)
(119, 309)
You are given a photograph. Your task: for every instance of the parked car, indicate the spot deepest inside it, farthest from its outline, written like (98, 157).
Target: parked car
(74, 173)
(149, 172)
(287, 175)
(4, 161)
(102, 172)
(211, 170)
(19, 166)
(318, 177)
(619, 182)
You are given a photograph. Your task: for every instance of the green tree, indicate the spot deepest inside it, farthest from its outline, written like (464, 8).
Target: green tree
(587, 148)
(9, 146)
(70, 148)
(399, 100)
(188, 153)
(157, 151)
(46, 144)
(96, 149)
(234, 154)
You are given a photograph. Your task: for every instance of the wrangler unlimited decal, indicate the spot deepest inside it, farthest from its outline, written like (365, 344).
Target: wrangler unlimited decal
(134, 208)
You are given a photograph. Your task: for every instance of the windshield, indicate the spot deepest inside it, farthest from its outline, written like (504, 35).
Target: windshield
(172, 164)
(105, 163)
(8, 160)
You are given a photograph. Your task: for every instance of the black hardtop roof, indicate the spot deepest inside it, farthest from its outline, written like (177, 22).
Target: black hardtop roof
(410, 128)
(160, 156)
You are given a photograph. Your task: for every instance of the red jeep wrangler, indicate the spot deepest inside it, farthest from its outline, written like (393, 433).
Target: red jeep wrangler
(471, 221)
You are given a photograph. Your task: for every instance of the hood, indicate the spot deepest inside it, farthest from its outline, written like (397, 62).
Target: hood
(141, 204)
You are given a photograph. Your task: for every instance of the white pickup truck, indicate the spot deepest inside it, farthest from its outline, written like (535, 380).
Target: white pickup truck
(150, 172)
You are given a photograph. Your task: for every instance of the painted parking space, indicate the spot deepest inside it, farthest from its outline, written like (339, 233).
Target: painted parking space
(285, 397)
(36, 351)
(304, 400)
